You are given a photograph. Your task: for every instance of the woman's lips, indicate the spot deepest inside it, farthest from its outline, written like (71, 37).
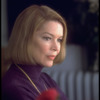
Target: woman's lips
(51, 57)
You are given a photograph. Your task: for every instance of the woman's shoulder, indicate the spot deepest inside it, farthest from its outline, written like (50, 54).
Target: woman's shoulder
(11, 75)
(12, 79)
(15, 87)
(14, 91)
(46, 76)
(48, 79)
(52, 84)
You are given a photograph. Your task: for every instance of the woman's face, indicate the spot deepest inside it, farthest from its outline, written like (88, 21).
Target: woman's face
(46, 43)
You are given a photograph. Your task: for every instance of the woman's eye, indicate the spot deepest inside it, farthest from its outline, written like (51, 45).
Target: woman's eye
(47, 38)
(60, 40)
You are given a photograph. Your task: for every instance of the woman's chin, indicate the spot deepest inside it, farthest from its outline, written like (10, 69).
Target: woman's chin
(49, 64)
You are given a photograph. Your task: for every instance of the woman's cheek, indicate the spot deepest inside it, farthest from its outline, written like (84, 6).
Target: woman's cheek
(43, 48)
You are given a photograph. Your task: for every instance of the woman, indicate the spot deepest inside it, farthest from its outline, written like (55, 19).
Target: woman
(38, 40)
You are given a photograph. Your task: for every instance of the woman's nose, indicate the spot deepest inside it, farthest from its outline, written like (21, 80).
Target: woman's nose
(55, 46)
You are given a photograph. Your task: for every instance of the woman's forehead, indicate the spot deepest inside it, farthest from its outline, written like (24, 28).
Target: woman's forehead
(51, 27)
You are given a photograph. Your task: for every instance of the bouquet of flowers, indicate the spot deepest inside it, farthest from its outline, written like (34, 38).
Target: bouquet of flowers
(50, 94)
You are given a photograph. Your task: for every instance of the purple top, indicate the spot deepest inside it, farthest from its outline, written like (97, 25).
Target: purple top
(16, 86)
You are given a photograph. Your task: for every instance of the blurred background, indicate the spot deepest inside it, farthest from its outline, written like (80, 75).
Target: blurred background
(78, 75)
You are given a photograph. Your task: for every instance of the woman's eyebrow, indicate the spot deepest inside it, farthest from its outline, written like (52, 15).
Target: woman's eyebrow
(51, 34)
(48, 33)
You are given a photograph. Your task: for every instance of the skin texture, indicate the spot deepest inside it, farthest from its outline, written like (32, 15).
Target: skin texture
(46, 43)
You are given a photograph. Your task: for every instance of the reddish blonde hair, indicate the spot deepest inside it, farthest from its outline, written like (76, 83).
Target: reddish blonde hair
(25, 25)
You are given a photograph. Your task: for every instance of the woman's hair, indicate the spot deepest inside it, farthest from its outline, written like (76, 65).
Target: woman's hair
(26, 24)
